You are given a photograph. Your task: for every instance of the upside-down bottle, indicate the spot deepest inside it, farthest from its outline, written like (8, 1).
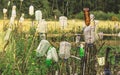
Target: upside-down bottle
(77, 38)
(54, 54)
(38, 15)
(89, 34)
(42, 26)
(64, 51)
(42, 48)
(82, 51)
(87, 16)
(63, 22)
(31, 10)
(49, 58)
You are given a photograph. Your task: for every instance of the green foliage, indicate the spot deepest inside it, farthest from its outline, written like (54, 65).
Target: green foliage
(100, 15)
(68, 8)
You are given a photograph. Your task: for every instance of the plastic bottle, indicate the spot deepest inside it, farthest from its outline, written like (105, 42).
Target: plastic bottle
(89, 34)
(63, 21)
(38, 15)
(31, 10)
(49, 58)
(82, 51)
(54, 54)
(77, 38)
(42, 48)
(64, 51)
(42, 26)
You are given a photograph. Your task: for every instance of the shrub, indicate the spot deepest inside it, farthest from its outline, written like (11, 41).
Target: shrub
(100, 15)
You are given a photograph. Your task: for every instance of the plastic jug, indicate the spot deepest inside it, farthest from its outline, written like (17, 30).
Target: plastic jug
(64, 51)
(42, 48)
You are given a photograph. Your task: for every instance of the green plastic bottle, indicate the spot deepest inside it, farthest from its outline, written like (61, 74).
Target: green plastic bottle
(48, 62)
(82, 51)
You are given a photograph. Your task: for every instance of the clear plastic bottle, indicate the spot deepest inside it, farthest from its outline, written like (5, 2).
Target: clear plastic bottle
(64, 51)
(42, 48)
(42, 26)
(31, 10)
(63, 22)
(89, 34)
(38, 15)
(54, 54)
(77, 38)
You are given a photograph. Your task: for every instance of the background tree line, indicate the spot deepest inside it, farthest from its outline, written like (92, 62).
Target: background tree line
(69, 8)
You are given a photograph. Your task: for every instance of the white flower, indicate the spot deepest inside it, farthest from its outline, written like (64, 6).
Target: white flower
(4, 10)
(31, 10)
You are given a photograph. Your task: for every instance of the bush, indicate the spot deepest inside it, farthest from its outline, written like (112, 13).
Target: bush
(100, 15)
